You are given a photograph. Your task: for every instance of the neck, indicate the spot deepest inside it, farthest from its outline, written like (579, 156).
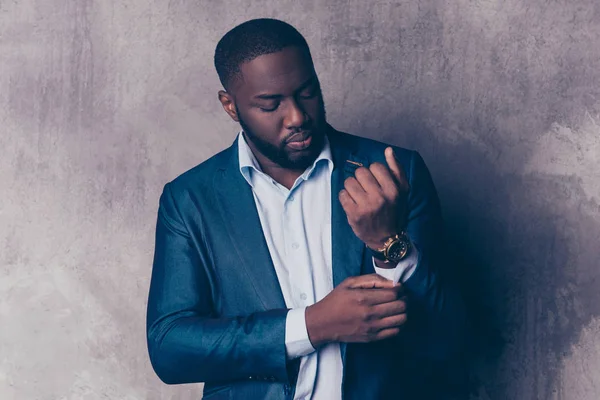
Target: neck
(283, 176)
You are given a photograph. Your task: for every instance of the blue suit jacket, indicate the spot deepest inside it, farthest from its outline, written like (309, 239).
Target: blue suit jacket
(216, 313)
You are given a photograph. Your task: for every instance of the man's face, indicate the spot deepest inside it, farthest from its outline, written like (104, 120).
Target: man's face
(280, 108)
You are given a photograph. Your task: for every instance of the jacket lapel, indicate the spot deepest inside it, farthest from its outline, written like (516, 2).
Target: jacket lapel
(242, 223)
(347, 248)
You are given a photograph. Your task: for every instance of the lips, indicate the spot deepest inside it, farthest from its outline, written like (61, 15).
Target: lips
(300, 137)
(300, 141)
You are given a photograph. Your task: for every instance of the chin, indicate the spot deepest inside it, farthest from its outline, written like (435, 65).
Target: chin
(303, 160)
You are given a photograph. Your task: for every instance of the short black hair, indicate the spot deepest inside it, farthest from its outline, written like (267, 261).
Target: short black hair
(251, 39)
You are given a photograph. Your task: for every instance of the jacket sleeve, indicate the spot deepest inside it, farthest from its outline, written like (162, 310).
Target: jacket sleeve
(436, 309)
(186, 342)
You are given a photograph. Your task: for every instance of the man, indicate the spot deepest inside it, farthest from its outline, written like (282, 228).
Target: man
(301, 262)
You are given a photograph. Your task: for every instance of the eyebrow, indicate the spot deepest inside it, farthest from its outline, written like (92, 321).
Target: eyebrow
(266, 96)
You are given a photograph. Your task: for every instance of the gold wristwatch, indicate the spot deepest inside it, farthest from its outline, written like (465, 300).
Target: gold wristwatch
(394, 249)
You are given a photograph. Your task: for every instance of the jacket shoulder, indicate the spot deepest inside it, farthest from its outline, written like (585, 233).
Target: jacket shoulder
(373, 149)
(200, 176)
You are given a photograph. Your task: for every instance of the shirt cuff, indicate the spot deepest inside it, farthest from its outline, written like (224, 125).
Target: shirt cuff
(403, 270)
(297, 342)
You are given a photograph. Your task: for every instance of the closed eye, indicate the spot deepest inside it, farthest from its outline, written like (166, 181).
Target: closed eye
(266, 109)
(309, 93)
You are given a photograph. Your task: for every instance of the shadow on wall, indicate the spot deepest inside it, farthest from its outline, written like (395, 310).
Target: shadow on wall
(478, 89)
(525, 259)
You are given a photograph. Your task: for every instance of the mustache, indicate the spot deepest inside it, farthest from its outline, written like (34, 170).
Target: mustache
(306, 130)
(309, 126)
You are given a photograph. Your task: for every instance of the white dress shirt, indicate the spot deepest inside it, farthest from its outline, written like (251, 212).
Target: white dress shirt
(297, 227)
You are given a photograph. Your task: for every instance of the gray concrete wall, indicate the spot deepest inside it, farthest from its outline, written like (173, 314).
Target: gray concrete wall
(101, 102)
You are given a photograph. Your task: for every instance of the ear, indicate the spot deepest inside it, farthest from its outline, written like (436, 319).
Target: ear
(228, 105)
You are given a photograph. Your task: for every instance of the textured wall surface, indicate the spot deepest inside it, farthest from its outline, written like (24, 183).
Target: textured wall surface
(102, 102)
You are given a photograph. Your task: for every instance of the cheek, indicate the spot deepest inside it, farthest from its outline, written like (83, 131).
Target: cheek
(314, 108)
(268, 126)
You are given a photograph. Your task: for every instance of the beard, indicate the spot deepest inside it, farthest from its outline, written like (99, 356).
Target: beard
(278, 154)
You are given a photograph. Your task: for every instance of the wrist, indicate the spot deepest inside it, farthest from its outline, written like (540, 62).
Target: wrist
(316, 326)
(380, 242)
(383, 264)
(375, 245)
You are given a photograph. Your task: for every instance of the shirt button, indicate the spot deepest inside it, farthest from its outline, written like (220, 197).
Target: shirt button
(295, 246)
(303, 296)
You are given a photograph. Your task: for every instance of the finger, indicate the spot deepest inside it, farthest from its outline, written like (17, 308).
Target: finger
(365, 177)
(348, 203)
(387, 333)
(373, 284)
(394, 307)
(355, 189)
(396, 169)
(385, 179)
(394, 321)
(374, 298)
(370, 281)
(383, 285)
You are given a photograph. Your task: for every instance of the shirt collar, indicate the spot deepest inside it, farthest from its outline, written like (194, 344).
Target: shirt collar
(249, 163)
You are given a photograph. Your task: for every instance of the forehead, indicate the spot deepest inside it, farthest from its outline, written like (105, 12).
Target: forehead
(276, 73)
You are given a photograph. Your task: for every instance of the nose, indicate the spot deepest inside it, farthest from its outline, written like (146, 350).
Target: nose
(295, 116)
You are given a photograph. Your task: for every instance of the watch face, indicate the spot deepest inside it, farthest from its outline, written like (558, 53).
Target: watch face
(398, 250)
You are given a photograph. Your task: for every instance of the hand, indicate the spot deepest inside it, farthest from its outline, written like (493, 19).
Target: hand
(363, 309)
(375, 200)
